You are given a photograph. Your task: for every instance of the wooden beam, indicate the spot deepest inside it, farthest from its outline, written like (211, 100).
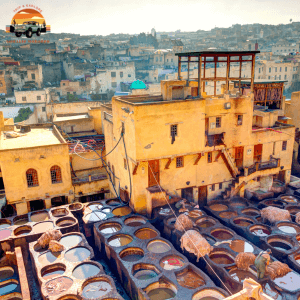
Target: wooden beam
(219, 154)
(135, 169)
(197, 159)
(168, 163)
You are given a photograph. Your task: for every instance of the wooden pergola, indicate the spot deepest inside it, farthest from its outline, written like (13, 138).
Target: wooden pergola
(213, 58)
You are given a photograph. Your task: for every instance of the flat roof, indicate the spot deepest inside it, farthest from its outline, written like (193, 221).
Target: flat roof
(207, 53)
(70, 118)
(35, 138)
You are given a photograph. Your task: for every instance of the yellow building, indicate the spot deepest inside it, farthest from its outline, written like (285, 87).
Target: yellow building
(185, 143)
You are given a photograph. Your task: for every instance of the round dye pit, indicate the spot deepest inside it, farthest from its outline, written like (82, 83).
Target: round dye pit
(289, 199)
(85, 271)
(189, 279)
(65, 221)
(280, 245)
(145, 234)
(241, 246)
(222, 234)
(132, 254)
(270, 291)
(4, 234)
(42, 227)
(95, 216)
(276, 203)
(39, 216)
(75, 206)
(77, 254)
(53, 271)
(228, 214)
(109, 228)
(4, 224)
(7, 287)
(158, 246)
(122, 211)
(288, 282)
(6, 272)
(21, 220)
(172, 262)
(293, 209)
(58, 286)
(251, 212)
(288, 227)
(135, 221)
(206, 222)
(95, 206)
(243, 222)
(120, 240)
(22, 230)
(221, 258)
(161, 294)
(71, 240)
(218, 207)
(238, 204)
(210, 240)
(195, 214)
(48, 257)
(240, 275)
(260, 230)
(96, 289)
(208, 294)
(59, 212)
(145, 271)
(113, 202)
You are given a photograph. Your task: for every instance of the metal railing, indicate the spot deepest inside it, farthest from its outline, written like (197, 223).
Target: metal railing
(259, 166)
(89, 178)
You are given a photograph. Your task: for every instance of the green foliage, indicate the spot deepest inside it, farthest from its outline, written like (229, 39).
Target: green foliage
(23, 114)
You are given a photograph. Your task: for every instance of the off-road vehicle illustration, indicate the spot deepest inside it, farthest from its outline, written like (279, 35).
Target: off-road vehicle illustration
(28, 28)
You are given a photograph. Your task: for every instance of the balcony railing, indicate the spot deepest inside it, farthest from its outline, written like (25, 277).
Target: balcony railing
(259, 166)
(215, 139)
(89, 178)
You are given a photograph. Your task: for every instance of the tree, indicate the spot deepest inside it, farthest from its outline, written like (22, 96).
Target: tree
(23, 114)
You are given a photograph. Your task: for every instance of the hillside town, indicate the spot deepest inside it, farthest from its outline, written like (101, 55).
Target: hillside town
(154, 166)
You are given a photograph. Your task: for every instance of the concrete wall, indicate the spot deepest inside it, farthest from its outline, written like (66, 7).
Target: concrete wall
(31, 96)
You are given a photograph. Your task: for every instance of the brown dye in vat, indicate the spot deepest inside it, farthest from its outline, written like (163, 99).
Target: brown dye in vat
(60, 212)
(240, 275)
(158, 247)
(110, 228)
(195, 213)
(42, 227)
(120, 240)
(242, 222)
(218, 207)
(77, 254)
(58, 285)
(64, 223)
(4, 234)
(238, 204)
(145, 234)
(190, 280)
(289, 199)
(85, 270)
(53, 272)
(241, 246)
(122, 211)
(271, 292)
(96, 289)
(23, 230)
(6, 272)
(280, 245)
(161, 294)
(288, 282)
(48, 257)
(228, 214)
(21, 222)
(39, 217)
(221, 234)
(221, 258)
(205, 224)
(70, 241)
(134, 222)
(250, 213)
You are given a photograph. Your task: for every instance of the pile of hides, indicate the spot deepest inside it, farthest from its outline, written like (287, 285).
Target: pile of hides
(55, 246)
(244, 260)
(183, 223)
(193, 242)
(277, 269)
(50, 235)
(275, 214)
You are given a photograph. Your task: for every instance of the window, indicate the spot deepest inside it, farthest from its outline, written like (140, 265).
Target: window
(285, 77)
(209, 157)
(167, 60)
(279, 77)
(121, 74)
(64, 84)
(240, 120)
(275, 69)
(74, 93)
(23, 98)
(129, 75)
(213, 188)
(160, 59)
(285, 69)
(171, 59)
(259, 70)
(113, 74)
(269, 77)
(270, 70)
(275, 77)
(179, 162)
(38, 98)
(174, 130)
(156, 59)
(43, 108)
(284, 144)
(32, 178)
(280, 69)
(125, 164)
(55, 172)
(114, 84)
(33, 76)
(218, 122)
(22, 76)
(68, 93)
(220, 186)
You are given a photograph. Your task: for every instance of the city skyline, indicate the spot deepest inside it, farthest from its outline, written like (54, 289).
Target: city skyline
(96, 18)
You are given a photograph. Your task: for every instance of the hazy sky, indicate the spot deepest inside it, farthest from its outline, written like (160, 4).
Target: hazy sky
(103, 17)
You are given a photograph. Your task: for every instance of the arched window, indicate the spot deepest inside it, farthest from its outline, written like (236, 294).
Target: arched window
(55, 174)
(32, 177)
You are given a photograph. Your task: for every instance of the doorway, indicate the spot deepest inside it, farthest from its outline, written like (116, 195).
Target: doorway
(58, 201)
(257, 155)
(153, 172)
(239, 157)
(202, 195)
(37, 205)
(187, 194)
(281, 176)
